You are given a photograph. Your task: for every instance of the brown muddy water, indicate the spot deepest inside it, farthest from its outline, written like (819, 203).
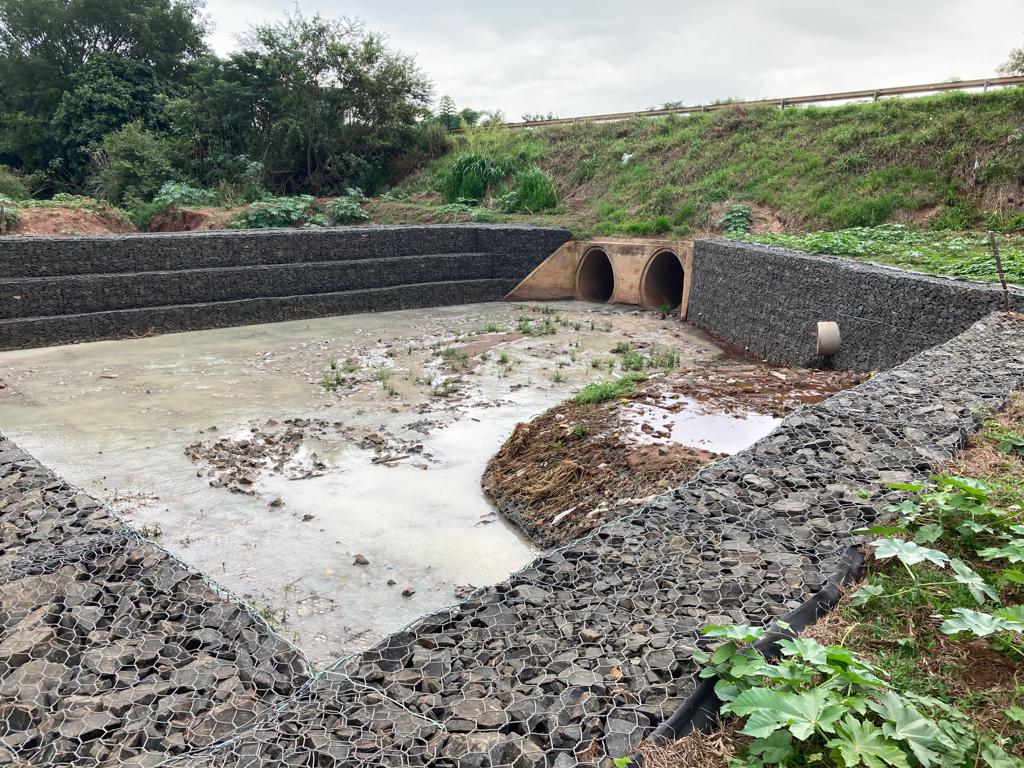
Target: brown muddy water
(341, 512)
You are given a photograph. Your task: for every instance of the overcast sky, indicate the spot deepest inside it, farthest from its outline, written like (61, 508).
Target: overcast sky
(580, 57)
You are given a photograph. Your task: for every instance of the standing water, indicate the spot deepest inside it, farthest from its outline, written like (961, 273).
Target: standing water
(326, 470)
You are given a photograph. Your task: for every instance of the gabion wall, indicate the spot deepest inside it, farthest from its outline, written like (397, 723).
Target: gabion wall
(65, 289)
(113, 653)
(767, 301)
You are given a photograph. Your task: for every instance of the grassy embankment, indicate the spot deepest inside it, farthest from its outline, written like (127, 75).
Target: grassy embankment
(939, 164)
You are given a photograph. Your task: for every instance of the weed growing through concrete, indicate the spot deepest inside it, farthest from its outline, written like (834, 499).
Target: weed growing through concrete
(445, 389)
(665, 358)
(527, 328)
(633, 361)
(275, 618)
(384, 377)
(336, 377)
(558, 378)
(599, 392)
(455, 358)
(332, 381)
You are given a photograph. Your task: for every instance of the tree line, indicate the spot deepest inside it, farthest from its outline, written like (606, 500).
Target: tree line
(115, 97)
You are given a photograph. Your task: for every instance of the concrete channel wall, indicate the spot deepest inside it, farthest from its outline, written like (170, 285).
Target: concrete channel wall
(767, 301)
(57, 290)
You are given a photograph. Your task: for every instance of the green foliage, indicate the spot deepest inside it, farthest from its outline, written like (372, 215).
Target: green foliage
(943, 253)
(348, 209)
(830, 166)
(471, 175)
(637, 227)
(433, 139)
(74, 71)
(75, 202)
(1014, 65)
(666, 358)
(632, 361)
(818, 700)
(179, 193)
(737, 219)
(958, 216)
(9, 212)
(324, 104)
(106, 93)
(533, 191)
(527, 328)
(959, 513)
(131, 164)
(473, 212)
(12, 186)
(599, 392)
(1010, 442)
(276, 212)
(868, 212)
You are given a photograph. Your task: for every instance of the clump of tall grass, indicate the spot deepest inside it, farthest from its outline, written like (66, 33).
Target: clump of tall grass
(532, 191)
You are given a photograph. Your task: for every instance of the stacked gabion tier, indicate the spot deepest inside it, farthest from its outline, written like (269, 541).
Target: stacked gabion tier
(114, 653)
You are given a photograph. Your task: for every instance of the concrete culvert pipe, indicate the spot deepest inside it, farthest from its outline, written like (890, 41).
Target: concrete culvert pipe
(662, 282)
(595, 278)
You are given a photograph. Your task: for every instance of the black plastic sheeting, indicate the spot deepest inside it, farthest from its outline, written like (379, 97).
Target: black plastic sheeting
(700, 710)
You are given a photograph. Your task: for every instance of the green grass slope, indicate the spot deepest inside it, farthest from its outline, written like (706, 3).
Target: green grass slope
(954, 161)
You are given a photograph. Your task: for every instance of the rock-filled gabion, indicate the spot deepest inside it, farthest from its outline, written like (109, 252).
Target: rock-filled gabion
(114, 653)
(768, 301)
(56, 290)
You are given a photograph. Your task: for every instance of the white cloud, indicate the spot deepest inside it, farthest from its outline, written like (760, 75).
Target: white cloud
(579, 57)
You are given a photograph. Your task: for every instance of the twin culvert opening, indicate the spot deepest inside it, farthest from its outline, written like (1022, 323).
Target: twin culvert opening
(662, 281)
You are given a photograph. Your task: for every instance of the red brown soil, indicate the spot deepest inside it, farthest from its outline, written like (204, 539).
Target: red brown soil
(172, 219)
(568, 470)
(69, 221)
(571, 459)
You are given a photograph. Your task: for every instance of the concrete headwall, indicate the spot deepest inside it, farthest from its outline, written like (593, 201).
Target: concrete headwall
(65, 289)
(767, 301)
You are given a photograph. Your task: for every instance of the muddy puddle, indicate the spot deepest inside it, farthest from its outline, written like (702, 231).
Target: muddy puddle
(326, 470)
(676, 419)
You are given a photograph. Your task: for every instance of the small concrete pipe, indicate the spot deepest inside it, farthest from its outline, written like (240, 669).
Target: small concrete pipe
(829, 339)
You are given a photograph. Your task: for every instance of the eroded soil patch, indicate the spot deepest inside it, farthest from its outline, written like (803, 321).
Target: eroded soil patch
(579, 465)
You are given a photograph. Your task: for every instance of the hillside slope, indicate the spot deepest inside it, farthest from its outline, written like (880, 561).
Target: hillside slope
(947, 161)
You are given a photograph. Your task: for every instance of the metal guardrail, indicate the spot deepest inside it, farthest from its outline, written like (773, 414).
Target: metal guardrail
(869, 93)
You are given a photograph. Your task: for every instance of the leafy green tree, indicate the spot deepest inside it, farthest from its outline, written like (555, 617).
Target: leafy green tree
(44, 43)
(105, 94)
(131, 165)
(162, 34)
(447, 114)
(1015, 64)
(325, 104)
